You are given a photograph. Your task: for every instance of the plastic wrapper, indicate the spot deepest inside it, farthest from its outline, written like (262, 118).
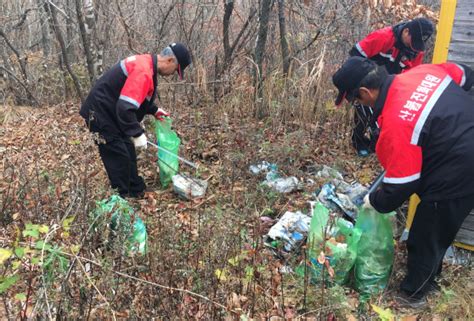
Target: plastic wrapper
(290, 230)
(283, 185)
(333, 200)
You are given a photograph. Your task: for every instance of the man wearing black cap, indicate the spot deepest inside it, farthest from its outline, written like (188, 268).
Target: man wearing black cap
(426, 146)
(398, 48)
(118, 103)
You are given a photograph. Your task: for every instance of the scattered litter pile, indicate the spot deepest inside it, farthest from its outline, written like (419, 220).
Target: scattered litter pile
(344, 241)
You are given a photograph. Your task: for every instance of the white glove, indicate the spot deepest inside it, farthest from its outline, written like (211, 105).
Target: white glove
(140, 141)
(367, 204)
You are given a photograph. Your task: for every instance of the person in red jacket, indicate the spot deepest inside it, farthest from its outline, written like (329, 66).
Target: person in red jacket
(426, 146)
(398, 49)
(118, 103)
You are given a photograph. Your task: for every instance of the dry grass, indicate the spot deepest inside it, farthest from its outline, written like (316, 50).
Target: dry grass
(57, 173)
(206, 259)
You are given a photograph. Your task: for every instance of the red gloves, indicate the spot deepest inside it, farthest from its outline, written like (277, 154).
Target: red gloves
(161, 113)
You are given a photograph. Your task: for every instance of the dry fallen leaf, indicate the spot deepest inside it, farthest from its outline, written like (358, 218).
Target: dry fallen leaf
(351, 317)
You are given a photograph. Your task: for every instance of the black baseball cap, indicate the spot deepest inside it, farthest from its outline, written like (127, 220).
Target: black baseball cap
(182, 55)
(347, 79)
(421, 30)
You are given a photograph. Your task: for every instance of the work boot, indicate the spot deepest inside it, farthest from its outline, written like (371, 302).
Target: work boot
(404, 300)
(136, 195)
(433, 288)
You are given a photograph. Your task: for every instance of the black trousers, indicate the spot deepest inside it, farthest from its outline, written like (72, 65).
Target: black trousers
(433, 230)
(120, 160)
(365, 131)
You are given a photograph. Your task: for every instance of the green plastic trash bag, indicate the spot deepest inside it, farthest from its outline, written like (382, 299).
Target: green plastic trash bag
(168, 140)
(337, 239)
(374, 253)
(134, 237)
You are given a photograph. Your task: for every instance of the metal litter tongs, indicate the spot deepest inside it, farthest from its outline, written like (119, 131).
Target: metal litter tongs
(185, 161)
(193, 165)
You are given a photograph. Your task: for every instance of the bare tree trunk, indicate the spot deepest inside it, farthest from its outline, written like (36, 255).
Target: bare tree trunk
(21, 60)
(259, 53)
(126, 27)
(43, 18)
(285, 52)
(85, 41)
(216, 76)
(165, 18)
(96, 46)
(35, 101)
(69, 33)
(99, 60)
(241, 36)
(228, 8)
(59, 36)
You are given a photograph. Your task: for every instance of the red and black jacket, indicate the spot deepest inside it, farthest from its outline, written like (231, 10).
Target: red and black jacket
(122, 97)
(385, 47)
(426, 142)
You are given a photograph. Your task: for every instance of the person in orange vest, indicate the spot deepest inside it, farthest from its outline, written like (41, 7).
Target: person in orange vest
(398, 48)
(117, 104)
(426, 146)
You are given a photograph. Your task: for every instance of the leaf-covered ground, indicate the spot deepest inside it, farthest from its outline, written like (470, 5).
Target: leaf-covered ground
(206, 258)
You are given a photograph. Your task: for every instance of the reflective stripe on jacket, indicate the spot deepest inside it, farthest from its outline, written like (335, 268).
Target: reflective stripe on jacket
(122, 96)
(426, 142)
(383, 47)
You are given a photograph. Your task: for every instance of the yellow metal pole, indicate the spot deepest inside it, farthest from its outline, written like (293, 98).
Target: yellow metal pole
(464, 246)
(444, 31)
(414, 201)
